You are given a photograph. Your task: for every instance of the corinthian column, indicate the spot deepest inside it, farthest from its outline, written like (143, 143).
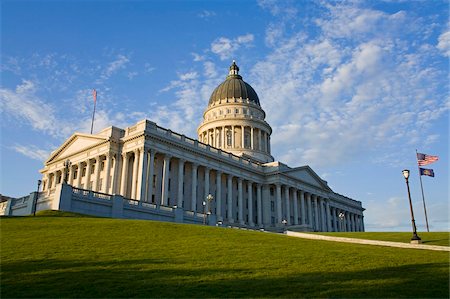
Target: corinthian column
(194, 188)
(180, 183)
(165, 186)
(230, 199)
(219, 195)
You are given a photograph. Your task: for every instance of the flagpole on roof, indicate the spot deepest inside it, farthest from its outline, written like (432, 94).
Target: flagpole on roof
(423, 196)
(94, 94)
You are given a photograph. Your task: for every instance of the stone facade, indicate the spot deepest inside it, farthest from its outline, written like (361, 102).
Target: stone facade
(231, 161)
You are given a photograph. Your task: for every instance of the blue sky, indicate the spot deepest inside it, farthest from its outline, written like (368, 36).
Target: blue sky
(349, 88)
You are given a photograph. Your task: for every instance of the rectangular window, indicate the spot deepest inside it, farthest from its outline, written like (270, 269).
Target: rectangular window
(236, 111)
(272, 206)
(228, 111)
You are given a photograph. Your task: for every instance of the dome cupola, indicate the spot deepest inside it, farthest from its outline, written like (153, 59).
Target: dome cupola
(234, 87)
(234, 120)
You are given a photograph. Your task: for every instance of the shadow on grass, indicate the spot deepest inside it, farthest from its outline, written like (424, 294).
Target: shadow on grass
(163, 278)
(437, 240)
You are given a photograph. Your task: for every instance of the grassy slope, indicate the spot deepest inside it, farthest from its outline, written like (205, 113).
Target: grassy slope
(432, 238)
(95, 257)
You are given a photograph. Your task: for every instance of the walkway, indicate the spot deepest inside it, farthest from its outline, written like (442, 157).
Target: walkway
(367, 242)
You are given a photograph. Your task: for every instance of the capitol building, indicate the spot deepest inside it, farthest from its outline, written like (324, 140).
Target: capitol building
(227, 176)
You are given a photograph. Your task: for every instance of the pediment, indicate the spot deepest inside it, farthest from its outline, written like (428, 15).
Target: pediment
(306, 174)
(76, 143)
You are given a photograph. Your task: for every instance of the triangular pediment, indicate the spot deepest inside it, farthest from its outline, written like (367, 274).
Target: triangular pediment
(306, 174)
(76, 143)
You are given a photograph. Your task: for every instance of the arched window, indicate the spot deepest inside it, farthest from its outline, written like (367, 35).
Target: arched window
(229, 137)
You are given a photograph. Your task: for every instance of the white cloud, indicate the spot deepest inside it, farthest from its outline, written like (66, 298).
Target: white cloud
(225, 47)
(31, 151)
(444, 43)
(113, 67)
(26, 106)
(205, 14)
(334, 97)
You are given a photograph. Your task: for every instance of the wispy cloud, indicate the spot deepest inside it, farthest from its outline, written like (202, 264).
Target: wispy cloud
(444, 43)
(25, 105)
(206, 14)
(225, 47)
(113, 67)
(31, 151)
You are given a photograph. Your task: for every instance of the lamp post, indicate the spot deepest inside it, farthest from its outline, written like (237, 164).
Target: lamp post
(204, 211)
(415, 238)
(284, 221)
(67, 164)
(208, 201)
(341, 220)
(37, 197)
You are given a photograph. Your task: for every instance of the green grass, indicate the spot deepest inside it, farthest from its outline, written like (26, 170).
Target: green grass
(47, 256)
(431, 238)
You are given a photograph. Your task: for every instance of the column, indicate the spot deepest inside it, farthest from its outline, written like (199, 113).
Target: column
(116, 181)
(206, 193)
(251, 138)
(240, 203)
(316, 213)
(233, 143)
(98, 168)
(223, 143)
(194, 188)
(242, 137)
(250, 203)
(333, 218)
(151, 173)
(142, 176)
(259, 140)
(105, 186)
(88, 175)
(134, 174)
(230, 198)
(219, 195)
(80, 172)
(124, 178)
(323, 225)
(295, 199)
(71, 175)
(328, 215)
(180, 183)
(259, 204)
(278, 198)
(302, 207)
(309, 204)
(165, 181)
(288, 205)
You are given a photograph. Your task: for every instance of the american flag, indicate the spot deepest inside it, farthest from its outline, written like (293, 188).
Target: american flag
(423, 159)
(94, 94)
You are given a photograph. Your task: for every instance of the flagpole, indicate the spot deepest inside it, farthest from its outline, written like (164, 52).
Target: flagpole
(423, 196)
(94, 93)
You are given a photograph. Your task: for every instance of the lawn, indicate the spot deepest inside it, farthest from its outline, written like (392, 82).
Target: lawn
(431, 238)
(47, 256)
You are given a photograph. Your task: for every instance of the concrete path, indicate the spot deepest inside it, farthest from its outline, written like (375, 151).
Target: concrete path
(367, 242)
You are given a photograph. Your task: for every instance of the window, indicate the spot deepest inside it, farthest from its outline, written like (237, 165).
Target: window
(220, 112)
(236, 111)
(228, 111)
(244, 111)
(228, 137)
(271, 191)
(272, 206)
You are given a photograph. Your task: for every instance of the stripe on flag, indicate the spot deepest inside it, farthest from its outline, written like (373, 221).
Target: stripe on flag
(423, 159)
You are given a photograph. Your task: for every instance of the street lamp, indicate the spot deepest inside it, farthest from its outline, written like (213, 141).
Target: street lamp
(341, 218)
(284, 221)
(37, 197)
(415, 238)
(204, 211)
(67, 164)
